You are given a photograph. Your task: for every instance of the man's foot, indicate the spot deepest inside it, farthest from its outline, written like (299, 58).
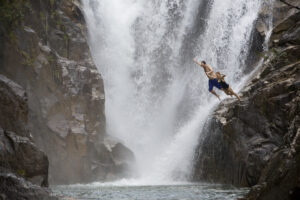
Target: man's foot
(237, 96)
(214, 93)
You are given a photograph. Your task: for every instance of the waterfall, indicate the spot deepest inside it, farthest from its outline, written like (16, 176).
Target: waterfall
(157, 99)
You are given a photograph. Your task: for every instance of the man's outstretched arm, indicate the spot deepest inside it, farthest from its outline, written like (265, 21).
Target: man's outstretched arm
(195, 60)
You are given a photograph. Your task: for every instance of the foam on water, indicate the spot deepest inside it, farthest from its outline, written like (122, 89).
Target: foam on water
(166, 192)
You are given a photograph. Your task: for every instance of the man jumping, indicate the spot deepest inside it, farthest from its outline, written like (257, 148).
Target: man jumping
(213, 81)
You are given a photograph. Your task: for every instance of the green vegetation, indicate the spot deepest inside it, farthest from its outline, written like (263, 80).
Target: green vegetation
(42, 16)
(21, 172)
(263, 55)
(12, 13)
(66, 42)
(279, 56)
(54, 14)
(12, 37)
(51, 3)
(29, 60)
(51, 59)
(55, 70)
(58, 24)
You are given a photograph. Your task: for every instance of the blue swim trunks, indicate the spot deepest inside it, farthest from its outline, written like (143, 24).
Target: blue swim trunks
(214, 83)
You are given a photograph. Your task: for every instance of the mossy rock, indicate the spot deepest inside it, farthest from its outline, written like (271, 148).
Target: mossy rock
(12, 13)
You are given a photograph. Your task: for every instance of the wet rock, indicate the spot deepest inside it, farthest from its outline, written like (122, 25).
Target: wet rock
(282, 11)
(23, 157)
(48, 55)
(114, 157)
(58, 124)
(279, 12)
(233, 152)
(121, 154)
(22, 164)
(256, 142)
(237, 148)
(14, 187)
(280, 177)
(123, 159)
(255, 49)
(13, 106)
(287, 30)
(291, 36)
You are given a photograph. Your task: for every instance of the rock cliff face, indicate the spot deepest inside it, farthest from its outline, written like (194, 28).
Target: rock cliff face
(44, 50)
(257, 142)
(22, 164)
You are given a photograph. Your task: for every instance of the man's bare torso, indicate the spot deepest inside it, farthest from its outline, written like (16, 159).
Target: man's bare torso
(209, 72)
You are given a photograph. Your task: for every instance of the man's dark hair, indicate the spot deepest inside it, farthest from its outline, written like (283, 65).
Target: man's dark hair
(203, 62)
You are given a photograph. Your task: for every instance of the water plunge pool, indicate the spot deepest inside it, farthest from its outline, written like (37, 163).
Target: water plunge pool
(192, 191)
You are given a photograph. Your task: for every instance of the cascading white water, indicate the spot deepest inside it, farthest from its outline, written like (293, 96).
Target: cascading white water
(157, 99)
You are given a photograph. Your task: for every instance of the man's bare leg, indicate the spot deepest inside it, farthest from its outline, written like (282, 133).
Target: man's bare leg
(227, 92)
(232, 92)
(214, 93)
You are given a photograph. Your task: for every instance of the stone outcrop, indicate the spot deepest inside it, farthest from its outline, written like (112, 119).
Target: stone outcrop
(14, 187)
(280, 178)
(23, 167)
(21, 156)
(46, 52)
(256, 142)
(14, 109)
(278, 11)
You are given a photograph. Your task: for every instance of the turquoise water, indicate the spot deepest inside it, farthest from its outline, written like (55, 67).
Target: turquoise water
(198, 191)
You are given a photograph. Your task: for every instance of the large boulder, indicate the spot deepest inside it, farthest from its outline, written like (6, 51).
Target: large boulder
(22, 157)
(14, 187)
(13, 106)
(22, 164)
(280, 177)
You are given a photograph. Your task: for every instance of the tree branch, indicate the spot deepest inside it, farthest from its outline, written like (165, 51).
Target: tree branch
(283, 1)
